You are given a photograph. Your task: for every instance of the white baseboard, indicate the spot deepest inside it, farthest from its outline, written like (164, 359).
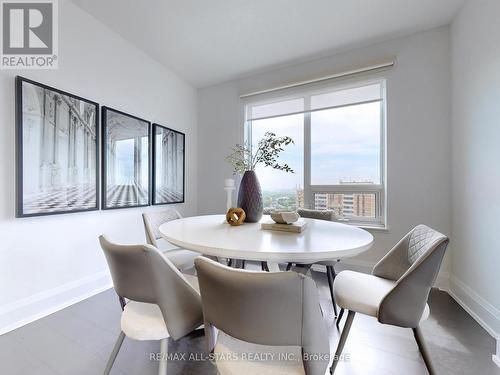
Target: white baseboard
(487, 315)
(37, 306)
(443, 281)
(496, 357)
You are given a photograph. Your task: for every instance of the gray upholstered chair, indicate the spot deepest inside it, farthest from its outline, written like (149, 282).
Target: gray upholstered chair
(279, 310)
(183, 259)
(328, 215)
(397, 290)
(162, 302)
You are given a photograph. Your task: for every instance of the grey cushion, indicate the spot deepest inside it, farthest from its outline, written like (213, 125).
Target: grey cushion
(361, 292)
(328, 215)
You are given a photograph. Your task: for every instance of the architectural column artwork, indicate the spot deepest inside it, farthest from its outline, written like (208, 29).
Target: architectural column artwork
(56, 166)
(47, 143)
(169, 165)
(70, 144)
(112, 163)
(88, 160)
(138, 161)
(164, 157)
(174, 162)
(74, 173)
(169, 169)
(33, 135)
(85, 151)
(126, 153)
(59, 165)
(179, 164)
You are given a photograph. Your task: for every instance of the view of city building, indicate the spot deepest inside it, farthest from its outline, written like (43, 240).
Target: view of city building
(344, 205)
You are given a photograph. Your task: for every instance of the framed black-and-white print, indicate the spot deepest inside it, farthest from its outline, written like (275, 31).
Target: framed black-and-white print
(126, 163)
(57, 157)
(168, 165)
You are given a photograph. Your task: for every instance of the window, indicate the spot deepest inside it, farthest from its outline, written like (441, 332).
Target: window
(338, 155)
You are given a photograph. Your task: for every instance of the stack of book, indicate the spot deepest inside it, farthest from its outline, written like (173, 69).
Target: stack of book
(296, 227)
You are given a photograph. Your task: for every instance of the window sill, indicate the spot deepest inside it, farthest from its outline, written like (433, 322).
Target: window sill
(371, 227)
(374, 228)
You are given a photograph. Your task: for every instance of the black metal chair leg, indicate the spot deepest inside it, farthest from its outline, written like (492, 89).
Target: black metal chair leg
(289, 266)
(243, 264)
(339, 318)
(229, 262)
(264, 266)
(330, 273)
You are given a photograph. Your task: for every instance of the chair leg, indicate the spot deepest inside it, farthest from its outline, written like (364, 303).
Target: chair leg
(419, 338)
(330, 273)
(264, 267)
(229, 262)
(289, 266)
(162, 368)
(114, 353)
(342, 340)
(339, 318)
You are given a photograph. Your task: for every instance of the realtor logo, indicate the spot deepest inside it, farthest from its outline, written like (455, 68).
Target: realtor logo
(29, 34)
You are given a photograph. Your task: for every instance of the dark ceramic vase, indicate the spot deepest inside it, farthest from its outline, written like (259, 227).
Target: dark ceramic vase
(250, 197)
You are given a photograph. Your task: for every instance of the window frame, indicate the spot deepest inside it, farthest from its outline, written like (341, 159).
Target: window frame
(379, 190)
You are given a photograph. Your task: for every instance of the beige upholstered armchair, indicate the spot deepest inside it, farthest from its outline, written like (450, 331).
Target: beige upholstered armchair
(162, 302)
(277, 309)
(397, 290)
(183, 259)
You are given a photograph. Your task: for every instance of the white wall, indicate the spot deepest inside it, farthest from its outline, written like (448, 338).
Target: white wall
(418, 131)
(47, 262)
(475, 56)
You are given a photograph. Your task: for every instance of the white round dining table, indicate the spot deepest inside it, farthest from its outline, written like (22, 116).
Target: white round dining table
(320, 241)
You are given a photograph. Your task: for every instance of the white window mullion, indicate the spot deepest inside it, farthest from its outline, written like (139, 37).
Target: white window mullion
(308, 198)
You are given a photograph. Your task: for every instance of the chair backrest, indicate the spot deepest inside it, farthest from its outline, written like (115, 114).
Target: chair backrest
(153, 220)
(179, 302)
(328, 215)
(414, 264)
(280, 309)
(130, 271)
(142, 273)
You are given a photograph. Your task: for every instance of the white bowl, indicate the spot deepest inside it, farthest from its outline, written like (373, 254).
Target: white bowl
(285, 217)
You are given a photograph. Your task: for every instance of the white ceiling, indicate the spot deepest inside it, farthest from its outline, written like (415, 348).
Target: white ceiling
(210, 41)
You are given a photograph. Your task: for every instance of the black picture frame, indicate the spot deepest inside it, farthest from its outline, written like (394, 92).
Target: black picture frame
(155, 190)
(106, 204)
(54, 190)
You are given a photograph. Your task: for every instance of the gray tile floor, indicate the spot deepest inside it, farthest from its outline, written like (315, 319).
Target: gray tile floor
(78, 340)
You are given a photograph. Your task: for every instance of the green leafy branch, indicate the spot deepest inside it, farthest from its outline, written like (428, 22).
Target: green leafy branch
(268, 149)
